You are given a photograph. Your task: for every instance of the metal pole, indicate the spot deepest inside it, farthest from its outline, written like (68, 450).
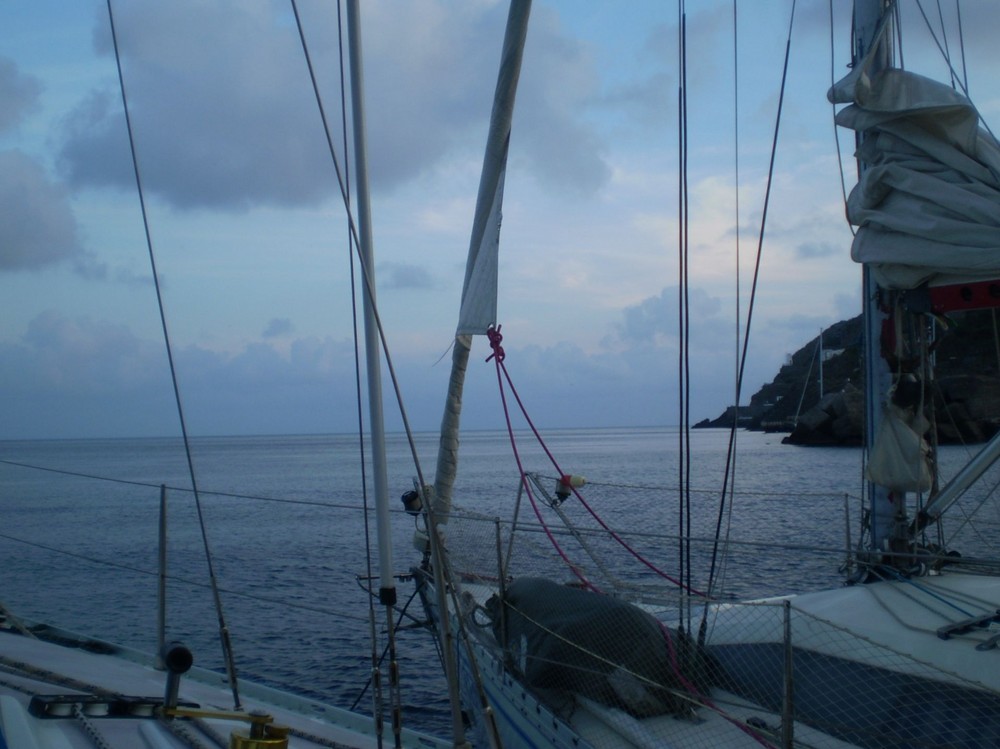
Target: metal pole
(787, 706)
(501, 588)
(849, 559)
(878, 377)
(821, 364)
(161, 588)
(372, 349)
(387, 586)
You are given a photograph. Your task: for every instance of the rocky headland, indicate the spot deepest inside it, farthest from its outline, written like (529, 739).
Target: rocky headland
(966, 390)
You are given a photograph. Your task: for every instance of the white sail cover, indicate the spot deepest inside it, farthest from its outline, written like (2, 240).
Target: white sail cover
(479, 293)
(927, 207)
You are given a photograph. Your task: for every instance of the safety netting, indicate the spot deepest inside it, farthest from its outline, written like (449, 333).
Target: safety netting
(599, 621)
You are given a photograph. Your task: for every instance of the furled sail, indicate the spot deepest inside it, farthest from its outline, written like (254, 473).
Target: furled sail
(479, 292)
(928, 203)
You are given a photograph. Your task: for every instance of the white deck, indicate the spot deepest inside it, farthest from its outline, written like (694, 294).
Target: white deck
(902, 616)
(122, 675)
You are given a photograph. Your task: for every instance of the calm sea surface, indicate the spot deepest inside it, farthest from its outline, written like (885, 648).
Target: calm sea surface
(285, 523)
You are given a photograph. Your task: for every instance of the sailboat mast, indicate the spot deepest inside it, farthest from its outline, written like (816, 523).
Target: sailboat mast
(373, 359)
(878, 377)
(821, 364)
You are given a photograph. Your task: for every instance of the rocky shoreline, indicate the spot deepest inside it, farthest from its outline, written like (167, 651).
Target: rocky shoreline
(966, 392)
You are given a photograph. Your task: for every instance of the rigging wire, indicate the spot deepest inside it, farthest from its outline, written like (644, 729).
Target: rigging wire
(751, 304)
(683, 308)
(354, 248)
(947, 48)
(812, 361)
(498, 356)
(737, 290)
(390, 368)
(963, 80)
(833, 121)
(286, 603)
(370, 285)
(338, 506)
(227, 648)
(961, 46)
(373, 680)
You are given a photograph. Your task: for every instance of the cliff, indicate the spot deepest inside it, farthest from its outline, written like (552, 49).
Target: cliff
(966, 390)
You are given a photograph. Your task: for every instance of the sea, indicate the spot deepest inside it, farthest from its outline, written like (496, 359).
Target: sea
(284, 519)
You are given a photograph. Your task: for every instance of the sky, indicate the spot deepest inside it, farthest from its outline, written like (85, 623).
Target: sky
(250, 241)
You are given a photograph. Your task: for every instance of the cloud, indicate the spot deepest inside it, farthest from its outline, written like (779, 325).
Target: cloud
(220, 105)
(404, 276)
(225, 117)
(37, 227)
(277, 327)
(84, 377)
(656, 318)
(807, 250)
(95, 151)
(82, 354)
(559, 83)
(74, 377)
(18, 95)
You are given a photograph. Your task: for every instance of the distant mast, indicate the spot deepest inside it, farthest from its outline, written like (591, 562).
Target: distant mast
(821, 364)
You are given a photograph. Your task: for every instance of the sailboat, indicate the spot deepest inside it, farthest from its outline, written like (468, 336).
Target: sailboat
(62, 690)
(560, 628)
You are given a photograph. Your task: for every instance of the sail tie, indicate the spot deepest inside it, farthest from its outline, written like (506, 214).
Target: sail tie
(493, 333)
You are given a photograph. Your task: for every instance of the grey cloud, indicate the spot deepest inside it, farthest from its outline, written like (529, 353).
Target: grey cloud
(83, 377)
(657, 317)
(37, 226)
(650, 101)
(82, 354)
(225, 117)
(404, 276)
(559, 83)
(18, 95)
(95, 149)
(428, 98)
(221, 107)
(807, 250)
(277, 327)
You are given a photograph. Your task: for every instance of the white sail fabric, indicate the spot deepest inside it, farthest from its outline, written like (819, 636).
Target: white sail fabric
(479, 293)
(900, 456)
(928, 203)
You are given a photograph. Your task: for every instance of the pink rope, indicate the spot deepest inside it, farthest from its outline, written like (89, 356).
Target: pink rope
(703, 699)
(498, 356)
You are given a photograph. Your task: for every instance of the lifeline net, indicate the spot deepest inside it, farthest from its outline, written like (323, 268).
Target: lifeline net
(622, 665)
